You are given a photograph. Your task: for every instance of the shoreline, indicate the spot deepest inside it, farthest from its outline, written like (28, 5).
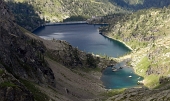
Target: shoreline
(67, 23)
(118, 41)
(32, 31)
(129, 49)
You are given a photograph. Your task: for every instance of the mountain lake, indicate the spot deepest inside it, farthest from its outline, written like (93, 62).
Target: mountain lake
(87, 38)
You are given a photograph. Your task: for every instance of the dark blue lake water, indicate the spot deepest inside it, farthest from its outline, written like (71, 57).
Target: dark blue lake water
(87, 38)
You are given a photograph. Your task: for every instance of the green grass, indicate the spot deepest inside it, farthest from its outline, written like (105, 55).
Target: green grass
(142, 66)
(1, 72)
(113, 92)
(152, 80)
(38, 95)
(7, 84)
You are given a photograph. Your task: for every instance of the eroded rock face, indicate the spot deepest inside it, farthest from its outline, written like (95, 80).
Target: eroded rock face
(11, 89)
(21, 55)
(5, 13)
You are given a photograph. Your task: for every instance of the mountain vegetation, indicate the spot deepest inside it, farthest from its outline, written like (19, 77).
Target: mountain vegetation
(31, 14)
(40, 11)
(147, 33)
(25, 15)
(134, 23)
(140, 4)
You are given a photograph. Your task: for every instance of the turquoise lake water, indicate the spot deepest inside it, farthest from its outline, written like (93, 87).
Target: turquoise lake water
(122, 78)
(87, 38)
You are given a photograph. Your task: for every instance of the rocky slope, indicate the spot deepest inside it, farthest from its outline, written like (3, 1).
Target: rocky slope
(11, 89)
(77, 73)
(18, 55)
(19, 60)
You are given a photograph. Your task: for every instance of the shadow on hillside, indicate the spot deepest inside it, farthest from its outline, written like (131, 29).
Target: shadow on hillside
(25, 15)
(146, 4)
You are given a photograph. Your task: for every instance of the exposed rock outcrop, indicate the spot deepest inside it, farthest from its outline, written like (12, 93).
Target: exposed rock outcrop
(21, 58)
(20, 55)
(11, 89)
(5, 13)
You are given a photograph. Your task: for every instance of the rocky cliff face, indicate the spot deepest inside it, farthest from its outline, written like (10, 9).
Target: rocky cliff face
(11, 89)
(5, 13)
(20, 55)
(21, 58)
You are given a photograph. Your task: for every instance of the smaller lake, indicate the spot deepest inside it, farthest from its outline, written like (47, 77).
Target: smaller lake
(122, 78)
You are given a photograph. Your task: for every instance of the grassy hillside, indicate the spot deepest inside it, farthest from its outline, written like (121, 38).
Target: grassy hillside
(147, 32)
(140, 28)
(141, 4)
